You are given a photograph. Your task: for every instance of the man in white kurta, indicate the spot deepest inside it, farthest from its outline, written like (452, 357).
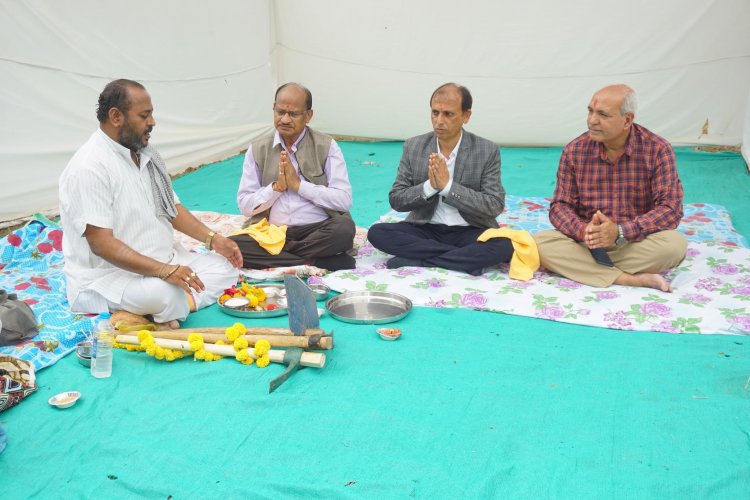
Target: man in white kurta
(118, 240)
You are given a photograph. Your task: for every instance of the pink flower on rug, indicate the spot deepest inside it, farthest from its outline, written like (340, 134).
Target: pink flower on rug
(692, 252)
(708, 284)
(656, 309)
(14, 240)
(473, 299)
(380, 265)
(696, 298)
(435, 283)
(742, 322)
(438, 303)
(55, 237)
(607, 295)
(564, 283)
(745, 290)
(725, 269)
(408, 271)
(366, 249)
(45, 247)
(617, 320)
(551, 311)
(666, 326)
(315, 280)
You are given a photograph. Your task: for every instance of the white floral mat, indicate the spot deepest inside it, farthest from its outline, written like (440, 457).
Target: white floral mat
(711, 287)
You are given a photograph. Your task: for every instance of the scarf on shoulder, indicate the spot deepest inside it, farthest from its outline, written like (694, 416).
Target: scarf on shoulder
(161, 184)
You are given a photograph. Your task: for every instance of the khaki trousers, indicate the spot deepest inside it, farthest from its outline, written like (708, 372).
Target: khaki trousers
(566, 257)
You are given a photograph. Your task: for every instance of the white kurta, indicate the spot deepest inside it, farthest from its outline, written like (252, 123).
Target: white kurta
(101, 186)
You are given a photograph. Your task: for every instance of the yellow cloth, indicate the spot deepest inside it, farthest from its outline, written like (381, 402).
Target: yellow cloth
(268, 236)
(525, 258)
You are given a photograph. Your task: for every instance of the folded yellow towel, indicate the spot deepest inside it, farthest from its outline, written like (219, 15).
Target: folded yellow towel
(525, 258)
(268, 236)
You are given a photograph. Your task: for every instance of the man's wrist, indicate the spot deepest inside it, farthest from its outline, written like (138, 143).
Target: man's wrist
(209, 239)
(621, 240)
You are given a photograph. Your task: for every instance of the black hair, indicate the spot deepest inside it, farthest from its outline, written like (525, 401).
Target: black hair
(115, 95)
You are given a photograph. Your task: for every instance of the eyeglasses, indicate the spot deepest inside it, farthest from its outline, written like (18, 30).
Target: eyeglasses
(294, 115)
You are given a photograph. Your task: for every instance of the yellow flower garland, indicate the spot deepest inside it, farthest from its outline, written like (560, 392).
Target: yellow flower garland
(197, 345)
(149, 345)
(234, 333)
(241, 347)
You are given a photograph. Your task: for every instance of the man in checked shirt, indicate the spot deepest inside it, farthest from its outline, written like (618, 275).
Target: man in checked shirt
(617, 190)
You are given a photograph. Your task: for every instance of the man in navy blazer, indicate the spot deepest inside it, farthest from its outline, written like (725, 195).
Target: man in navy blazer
(449, 182)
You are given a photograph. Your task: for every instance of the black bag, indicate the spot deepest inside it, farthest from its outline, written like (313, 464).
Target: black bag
(17, 318)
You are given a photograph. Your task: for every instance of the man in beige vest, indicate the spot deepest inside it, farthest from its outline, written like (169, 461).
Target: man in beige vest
(296, 177)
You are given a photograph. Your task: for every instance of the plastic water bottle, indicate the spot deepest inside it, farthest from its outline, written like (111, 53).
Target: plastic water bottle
(101, 357)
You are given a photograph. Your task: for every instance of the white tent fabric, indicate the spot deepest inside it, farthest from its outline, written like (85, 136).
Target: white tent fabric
(211, 69)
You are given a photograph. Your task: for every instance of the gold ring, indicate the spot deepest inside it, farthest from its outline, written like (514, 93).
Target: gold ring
(187, 279)
(193, 275)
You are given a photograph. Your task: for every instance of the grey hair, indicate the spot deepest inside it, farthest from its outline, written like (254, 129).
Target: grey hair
(630, 103)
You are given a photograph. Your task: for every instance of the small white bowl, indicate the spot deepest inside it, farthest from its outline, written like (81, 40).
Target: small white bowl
(236, 302)
(389, 333)
(65, 399)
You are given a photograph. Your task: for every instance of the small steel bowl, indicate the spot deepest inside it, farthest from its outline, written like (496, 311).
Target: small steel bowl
(84, 360)
(320, 290)
(85, 348)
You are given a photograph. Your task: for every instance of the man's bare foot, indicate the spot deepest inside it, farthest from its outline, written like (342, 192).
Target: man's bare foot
(169, 325)
(645, 280)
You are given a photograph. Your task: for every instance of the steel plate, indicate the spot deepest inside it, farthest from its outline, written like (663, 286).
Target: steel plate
(368, 307)
(277, 300)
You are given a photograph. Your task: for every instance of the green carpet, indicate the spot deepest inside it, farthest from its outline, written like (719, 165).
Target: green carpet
(465, 404)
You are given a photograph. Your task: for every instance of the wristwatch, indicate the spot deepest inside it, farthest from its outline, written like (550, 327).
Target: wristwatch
(621, 240)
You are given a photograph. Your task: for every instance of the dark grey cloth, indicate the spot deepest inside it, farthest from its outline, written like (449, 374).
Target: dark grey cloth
(161, 184)
(312, 244)
(18, 320)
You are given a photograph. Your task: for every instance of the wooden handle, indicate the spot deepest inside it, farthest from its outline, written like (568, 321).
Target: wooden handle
(306, 342)
(251, 330)
(311, 359)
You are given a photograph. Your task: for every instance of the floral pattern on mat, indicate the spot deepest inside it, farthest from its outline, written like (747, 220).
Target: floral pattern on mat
(711, 287)
(31, 265)
(700, 222)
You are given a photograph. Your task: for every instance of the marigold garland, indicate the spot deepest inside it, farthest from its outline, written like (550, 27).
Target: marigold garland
(198, 347)
(149, 345)
(241, 347)
(234, 333)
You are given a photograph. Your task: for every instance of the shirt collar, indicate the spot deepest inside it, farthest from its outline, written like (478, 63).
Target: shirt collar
(277, 140)
(629, 145)
(122, 150)
(455, 149)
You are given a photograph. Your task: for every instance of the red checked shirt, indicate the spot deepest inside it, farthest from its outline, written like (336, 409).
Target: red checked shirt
(641, 190)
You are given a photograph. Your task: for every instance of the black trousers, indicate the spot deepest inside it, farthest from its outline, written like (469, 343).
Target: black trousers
(305, 244)
(439, 245)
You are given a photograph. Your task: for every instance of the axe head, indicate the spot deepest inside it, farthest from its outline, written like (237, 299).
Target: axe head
(303, 311)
